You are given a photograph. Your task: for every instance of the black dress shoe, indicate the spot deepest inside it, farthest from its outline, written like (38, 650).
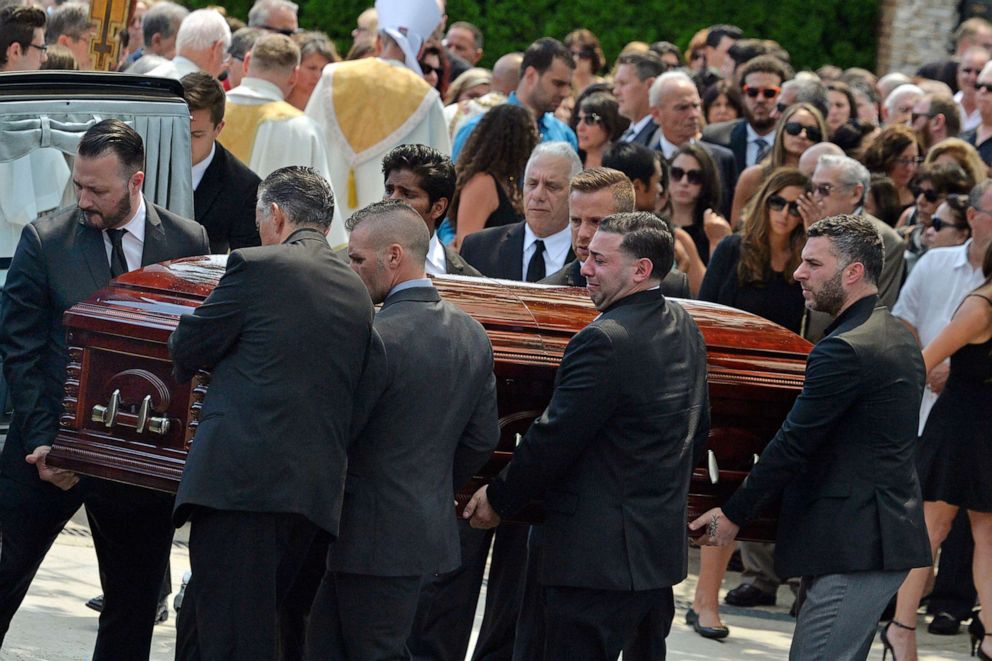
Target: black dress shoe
(944, 624)
(161, 614)
(691, 617)
(713, 633)
(96, 603)
(746, 595)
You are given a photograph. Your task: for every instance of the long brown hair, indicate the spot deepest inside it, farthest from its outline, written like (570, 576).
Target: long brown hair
(756, 254)
(499, 145)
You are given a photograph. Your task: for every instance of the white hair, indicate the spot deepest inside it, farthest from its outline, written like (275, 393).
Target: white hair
(900, 92)
(259, 13)
(654, 94)
(558, 149)
(201, 30)
(851, 173)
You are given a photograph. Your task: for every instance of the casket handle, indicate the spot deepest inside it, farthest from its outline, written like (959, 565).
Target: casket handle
(714, 469)
(143, 411)
(108, 414)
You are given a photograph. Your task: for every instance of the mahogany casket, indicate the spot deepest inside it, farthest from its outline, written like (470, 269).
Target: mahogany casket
(126, 419)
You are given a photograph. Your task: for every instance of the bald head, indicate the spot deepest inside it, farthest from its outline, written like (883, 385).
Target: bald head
(506, 72)
(810, 157)
(388, 245)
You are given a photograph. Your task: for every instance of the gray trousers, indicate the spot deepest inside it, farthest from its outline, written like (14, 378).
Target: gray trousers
(839, 617)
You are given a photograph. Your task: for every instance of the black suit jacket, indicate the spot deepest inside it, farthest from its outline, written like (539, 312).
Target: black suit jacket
(498, 252)
(674, 285)
(59, 262)
(733, 136)
(613, 452)
(224, 203)
(454, 264)
(646, 134)
(843, 460)
(286, 334)
(426, 427)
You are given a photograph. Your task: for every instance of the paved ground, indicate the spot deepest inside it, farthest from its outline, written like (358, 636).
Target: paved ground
(54, 625)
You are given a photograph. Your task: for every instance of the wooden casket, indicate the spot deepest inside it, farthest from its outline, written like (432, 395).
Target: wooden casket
(126, 419)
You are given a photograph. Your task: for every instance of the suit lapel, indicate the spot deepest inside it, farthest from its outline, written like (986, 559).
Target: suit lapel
(210, 186)
(453, 263)
(90, 242)
(155, 249)
(738, 142)
(646, 134)
(511, 252)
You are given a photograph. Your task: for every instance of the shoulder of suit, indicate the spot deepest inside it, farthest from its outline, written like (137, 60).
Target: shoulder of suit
(180, 222)
(721, 130)
(57, 222)
(490, 234)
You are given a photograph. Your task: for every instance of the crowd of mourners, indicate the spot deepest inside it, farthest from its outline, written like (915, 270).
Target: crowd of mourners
(725, 140)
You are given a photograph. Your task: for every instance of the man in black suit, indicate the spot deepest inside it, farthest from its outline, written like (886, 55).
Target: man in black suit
(751, 136)
(541, 243)
(593, 195)
(635, 73)
(851, 522)
(60, 261)
(286, 335)
(424, 178)
(613, 452)
(224, 189)
(424, 428)
(677, 109)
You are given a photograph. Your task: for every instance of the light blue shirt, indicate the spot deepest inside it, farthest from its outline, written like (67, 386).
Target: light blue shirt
(550, 127)
(410, 284)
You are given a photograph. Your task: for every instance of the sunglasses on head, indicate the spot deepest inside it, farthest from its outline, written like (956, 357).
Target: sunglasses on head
(939, 223)
(929, 194)
(767, 92)
(592, 119)
(777, 203)
(983, 86)
(812, 132)
(695, 177)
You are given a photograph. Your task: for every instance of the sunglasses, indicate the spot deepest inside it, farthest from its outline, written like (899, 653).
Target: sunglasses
(767, 92)
(938, 224)
(695, 177)
(428, 69)
(983, 86)
(284, 31)
(777, 203)
(913, 160)
(592, 119)
(929, 194)
(812, 132)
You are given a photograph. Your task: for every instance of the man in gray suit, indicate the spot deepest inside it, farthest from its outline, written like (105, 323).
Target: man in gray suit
(286, 333)
(426, 422)
(60, 261)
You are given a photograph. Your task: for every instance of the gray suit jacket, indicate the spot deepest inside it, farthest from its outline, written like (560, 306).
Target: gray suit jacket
(59, 262)
(427, 420)
(286, 334)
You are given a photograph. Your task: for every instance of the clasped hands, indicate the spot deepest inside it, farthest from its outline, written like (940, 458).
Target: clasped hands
(479, 512)
(60, 477)
(720, 530)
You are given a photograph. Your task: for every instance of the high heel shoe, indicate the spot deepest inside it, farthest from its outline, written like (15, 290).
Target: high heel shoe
(981, 653)
(886, 645)
(977, 632)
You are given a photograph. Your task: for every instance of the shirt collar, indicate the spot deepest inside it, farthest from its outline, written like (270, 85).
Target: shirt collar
(202, 166)
(669, 148)
(556, 244)
(410, 284)
(436, 264)
(639, 125)
(541, 119)
(961, 260)
(753, 135)
(258, 88)
(136, 226)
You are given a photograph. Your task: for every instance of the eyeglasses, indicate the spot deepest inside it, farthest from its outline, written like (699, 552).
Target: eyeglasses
(286, 31)
(914, 117)
(767, 92)
(695, 177)
(812, 132)
(592, 119)
(428, 69)
(929, 194)
(777, 203)
(824, 190)
(43, 48)
(781, 107)
(938, 224)
(908, 160)
(983, 86)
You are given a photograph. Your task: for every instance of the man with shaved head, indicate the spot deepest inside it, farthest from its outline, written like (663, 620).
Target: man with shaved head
(426, 422)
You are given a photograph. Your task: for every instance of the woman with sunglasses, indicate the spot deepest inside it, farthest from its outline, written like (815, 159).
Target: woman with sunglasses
(752, 271)
(949, 225)
(695, 193)
(895, 152)
(954, 464)
(800, 127)
(598, 124)
(489, 170)
(588, 56)
(932, 184)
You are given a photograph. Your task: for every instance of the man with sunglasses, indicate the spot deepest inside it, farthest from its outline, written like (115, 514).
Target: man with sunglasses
(751, 137)
(275, 16)
(979, 136)
(935, 118)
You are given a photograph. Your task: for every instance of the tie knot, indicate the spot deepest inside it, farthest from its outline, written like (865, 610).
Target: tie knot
(116, 236)
(539, 244)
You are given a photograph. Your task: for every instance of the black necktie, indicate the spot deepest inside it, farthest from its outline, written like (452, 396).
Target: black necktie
(762, 149)
(535, 268)
(118, 264)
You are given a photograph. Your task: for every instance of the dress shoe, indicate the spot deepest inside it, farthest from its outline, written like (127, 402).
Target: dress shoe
(884, 635)
(746, 595)
(690, 617)
(713, 633)
(96, 603)
(944, 624)
(161, 613)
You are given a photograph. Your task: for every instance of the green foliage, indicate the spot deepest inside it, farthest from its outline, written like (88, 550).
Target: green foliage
(839, 32)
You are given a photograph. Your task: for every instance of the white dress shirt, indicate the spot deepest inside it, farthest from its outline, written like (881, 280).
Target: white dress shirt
(968, 122)
(435, 263)
(133, 241)
(555, 249)
(635, 128)
(667, 148)
(202, 166)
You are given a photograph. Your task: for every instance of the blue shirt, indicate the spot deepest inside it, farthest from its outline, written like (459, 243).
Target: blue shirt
(550, 127)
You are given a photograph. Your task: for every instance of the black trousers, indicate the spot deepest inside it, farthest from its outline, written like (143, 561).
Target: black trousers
(132, 533)
(593, 625)
(359, 617)
(954, 589)
(253, 582)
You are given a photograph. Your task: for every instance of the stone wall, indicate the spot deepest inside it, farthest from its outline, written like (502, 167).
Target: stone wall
(914, 32)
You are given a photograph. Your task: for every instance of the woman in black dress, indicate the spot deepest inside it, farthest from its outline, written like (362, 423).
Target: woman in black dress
(955, 463)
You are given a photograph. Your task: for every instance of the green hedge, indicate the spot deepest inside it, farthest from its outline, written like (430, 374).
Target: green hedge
(841, 32)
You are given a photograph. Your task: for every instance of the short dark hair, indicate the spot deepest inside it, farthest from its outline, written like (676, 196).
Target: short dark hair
(435, 170)
(302, 193)
(465, 25)
(17, 25)
(635, 161)
(113, 135)
(942, 104)
(203, 91)
(718, 32)
(542, 53)
(853, 239)
(164, 19)
(242, 41)
(71, 19)
(646, 65)
(645, 236)
(764, 64)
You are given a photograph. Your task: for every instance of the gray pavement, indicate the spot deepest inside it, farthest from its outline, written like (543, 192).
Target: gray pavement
(54, 625)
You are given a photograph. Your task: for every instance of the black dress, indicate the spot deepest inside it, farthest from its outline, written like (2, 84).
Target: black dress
(955, 459)
(505, 214)
(775, 299)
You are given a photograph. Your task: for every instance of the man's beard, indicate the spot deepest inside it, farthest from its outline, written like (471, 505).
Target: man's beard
(830, 298)
(120, 213)
(761, 125)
